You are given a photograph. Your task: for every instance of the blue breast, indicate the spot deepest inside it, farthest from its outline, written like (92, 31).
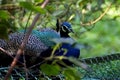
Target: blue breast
(68, 50)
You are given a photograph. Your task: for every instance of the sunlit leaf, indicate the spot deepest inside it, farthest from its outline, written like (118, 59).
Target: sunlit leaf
(32, 7)
(39, 9)
(50, 69)
(39, 1)
(71, 74)
(4, 14)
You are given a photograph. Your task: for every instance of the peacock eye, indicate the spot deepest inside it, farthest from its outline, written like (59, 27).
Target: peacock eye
(64, 28)
(67, 29)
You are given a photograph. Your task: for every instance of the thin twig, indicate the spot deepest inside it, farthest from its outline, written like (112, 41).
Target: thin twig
(96, 20)
(21, 49)
(25, 67)
(6, 52)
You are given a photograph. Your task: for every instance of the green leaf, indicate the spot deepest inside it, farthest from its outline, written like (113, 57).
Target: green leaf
(39, 1)
(3, 32)
(50, 69)
(4, 14)
(51, 8)
(27, 5)
(39, 9)
(58, 12)
(71, 74)
(32, 7)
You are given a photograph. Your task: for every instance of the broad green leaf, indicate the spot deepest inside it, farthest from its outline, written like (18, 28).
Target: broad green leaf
(4, 14)
(50, 69)
(39, 1)
(32, 7)
(71, 74)
(39, 9)
(27, 5)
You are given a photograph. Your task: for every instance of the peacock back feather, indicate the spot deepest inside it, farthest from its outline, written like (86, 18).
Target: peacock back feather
(3, 44)
(33, 46)
(45, 35)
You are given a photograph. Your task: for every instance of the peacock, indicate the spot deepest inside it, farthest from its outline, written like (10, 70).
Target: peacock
(39, 42)
(66, 49)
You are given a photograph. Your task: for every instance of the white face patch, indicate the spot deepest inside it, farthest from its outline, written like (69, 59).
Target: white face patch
(63, 29)
(69, 29)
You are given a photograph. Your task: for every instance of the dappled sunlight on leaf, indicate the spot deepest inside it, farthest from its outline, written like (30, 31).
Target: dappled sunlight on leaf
(4, 14)
(32, 7)
(71, 74)
(50, 70)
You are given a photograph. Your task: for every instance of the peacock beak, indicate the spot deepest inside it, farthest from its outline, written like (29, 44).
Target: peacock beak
(71, 30)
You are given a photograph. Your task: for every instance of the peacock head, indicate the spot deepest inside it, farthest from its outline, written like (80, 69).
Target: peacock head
(65, 29)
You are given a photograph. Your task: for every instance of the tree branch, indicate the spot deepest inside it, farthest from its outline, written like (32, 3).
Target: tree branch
(96, 20)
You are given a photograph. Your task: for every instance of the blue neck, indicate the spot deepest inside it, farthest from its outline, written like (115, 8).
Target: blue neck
(64, 34)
